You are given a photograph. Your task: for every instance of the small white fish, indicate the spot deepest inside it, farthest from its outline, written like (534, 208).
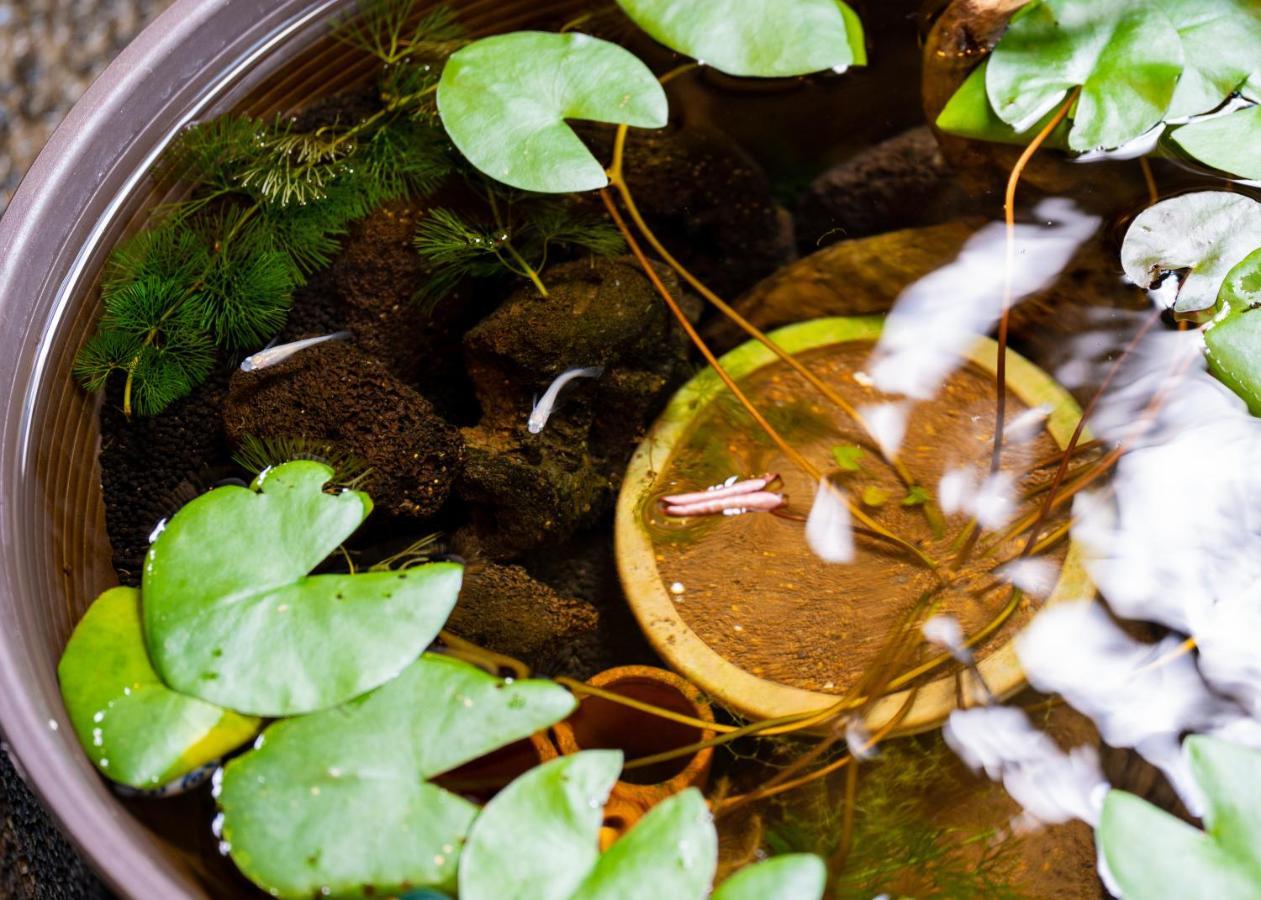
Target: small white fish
(544, 408)
(272, 355)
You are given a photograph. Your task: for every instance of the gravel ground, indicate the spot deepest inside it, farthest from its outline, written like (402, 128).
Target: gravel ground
(50, 50)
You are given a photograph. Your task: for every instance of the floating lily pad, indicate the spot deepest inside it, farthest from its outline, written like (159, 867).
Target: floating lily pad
(233, 617)
(340, 800)
(135, 729)
(1221, 42)
(540, 833)
(505, 101)
(756, 38)
(1234, 342)
(793, 876)
(969, 114)
(1125, 55)
(1231, 143)
(1152, 854)
(1198, 238)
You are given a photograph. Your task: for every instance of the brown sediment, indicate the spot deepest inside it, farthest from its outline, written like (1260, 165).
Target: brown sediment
(749, 586)
(503, 609)
(333, 392)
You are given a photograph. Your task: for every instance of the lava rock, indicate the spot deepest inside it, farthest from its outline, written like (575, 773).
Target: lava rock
(378, 276)
(503, 609)
(526, 489)
(711, 205)
(334, 392)
(900, 183)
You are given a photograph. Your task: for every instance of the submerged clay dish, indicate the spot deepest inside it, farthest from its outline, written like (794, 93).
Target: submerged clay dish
(760, 624)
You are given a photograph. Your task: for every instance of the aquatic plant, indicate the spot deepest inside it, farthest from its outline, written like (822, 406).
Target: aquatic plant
(232, 617)
(135, 729)
(269, 204)
(1149, 853)
(1202, 252)
(258, 454)
(1133, 71)
(343, 799)
(521, 233)
(540, 835)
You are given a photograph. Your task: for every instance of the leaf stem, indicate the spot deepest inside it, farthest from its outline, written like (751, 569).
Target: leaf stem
(788, 450)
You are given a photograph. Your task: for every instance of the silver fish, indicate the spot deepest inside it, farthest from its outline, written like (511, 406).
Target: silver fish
(272, 355)
(543, 408)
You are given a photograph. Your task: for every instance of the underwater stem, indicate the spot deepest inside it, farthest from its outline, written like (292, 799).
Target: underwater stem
(616, 176)
(1009, 211)
(787, 449)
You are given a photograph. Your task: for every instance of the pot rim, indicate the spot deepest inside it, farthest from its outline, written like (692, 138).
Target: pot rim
(734, 687)
(50, 242)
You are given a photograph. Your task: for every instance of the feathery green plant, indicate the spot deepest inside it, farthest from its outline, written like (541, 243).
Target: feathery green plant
(270, 205)
(258, 454)
(521, 232)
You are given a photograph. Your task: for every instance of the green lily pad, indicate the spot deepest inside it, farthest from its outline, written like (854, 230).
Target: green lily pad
(969, 114)
(340, 800)
(793, 876)
(135, 729)
(505, 100)
(1152, 854)
(1221, 41)
(1231, 143)
(756, 38)
(1200, 237)
(848, 457)
(1125, 55)
(232, 616)
(540, 833)
(1234, 341)
(671, 852)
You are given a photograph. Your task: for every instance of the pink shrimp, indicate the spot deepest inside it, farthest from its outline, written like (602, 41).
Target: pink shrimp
(731, 498)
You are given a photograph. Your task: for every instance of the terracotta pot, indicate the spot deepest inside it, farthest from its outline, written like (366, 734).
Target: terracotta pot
(600, 724)
(481, 779)
(744, 691)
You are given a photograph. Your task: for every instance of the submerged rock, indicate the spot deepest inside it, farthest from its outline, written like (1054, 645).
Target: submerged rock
(711, 205)
(378, 276)
(899, 183)
(503, 609)
(334, 392)
(526, 489)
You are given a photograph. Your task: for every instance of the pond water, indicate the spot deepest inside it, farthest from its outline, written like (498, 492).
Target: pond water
(795, 199)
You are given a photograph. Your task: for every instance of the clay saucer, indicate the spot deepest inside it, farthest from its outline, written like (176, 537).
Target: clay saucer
(740, 606)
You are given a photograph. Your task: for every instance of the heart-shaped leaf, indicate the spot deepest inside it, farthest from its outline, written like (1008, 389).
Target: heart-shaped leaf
(135, 729)
(505, 100)
(756, 38)
(1198, 238)
(340, 800)
(1125, 55)
(540, 833)
(1231, 143)
(232, 617)
(671, 852)
(1234, 341)
(969, 114)
(793, 876)
(1151, 854)
(1221, 43)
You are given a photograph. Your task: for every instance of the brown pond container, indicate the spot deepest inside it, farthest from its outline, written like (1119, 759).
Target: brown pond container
(90, 188)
